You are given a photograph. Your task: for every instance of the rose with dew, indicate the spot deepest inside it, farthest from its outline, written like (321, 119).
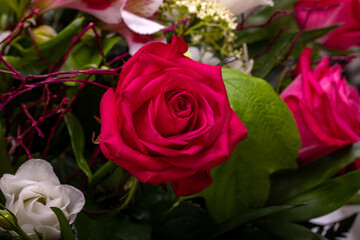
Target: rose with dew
(325, 107)
(169, 119)
(130, 18)
(31, 193)
(312, 14)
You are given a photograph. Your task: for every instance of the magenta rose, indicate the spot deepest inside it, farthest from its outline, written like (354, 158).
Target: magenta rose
(169, 119)
(325, 13)
(326, 109)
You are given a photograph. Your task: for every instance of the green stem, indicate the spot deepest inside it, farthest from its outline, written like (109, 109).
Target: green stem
(113, 212)
(21, 233)
(102, 173)
(5, 164)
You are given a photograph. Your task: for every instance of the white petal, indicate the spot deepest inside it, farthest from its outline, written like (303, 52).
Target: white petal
(32, 191)
(47, 231)
(110, 15)
(22, 215)
(204, 57)
(194, 53)
(136, 41)
(37, 170)
(143, 8)
(140, 25)
(240, 6)
(3, 35)
(77, 201)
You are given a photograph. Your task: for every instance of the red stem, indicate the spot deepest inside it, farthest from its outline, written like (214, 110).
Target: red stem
(37, 49)
(90, 25)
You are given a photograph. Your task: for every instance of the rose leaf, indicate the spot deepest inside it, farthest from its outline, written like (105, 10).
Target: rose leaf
(77, 142)
(65, 228)
(242, 182)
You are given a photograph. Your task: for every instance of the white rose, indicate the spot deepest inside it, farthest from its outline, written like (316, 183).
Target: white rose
(32, 191)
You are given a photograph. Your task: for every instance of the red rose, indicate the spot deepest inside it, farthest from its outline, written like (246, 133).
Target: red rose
(325, 13)
(170, 119)
(326, 109)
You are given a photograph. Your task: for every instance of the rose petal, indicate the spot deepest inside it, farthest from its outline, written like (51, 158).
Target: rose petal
(186, 186)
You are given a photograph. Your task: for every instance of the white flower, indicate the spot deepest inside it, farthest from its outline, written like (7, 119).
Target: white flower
(3, 36)
(32, 191)
(200, 55)
(240, 6)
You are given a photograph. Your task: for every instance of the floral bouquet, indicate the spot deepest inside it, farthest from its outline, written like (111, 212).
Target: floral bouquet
(178, 119)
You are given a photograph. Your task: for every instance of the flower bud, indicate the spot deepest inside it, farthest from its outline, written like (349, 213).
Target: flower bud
(43, 33)
(6, 220)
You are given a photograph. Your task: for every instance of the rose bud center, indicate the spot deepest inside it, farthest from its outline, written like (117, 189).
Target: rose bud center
(180, 105)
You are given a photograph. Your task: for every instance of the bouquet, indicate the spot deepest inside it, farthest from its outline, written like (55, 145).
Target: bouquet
(178, 119)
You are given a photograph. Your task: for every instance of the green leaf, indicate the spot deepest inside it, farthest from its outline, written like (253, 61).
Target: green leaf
(293, 183)
(114, 228)
(5, 164)
(38, 234)
(248, 233)
(268, 60)
(31, 63)
(133, 183)
(186, 221)
(5, 8)
(325, 198)
(242, 182)
(288, 231)
(309, 36)
(87, 54)
(148, 196)
(56, 47)
(283, 4)
(64, 167)
(65, 228)
(18, 6)
(242, 219)
(77, 142)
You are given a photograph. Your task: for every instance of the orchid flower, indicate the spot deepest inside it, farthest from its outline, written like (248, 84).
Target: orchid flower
(134, 40)
(129, 17)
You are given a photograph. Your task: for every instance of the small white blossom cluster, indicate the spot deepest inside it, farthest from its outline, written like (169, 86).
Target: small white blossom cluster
(218, 22)
(242, 63)
(214, 34)
(211, 9)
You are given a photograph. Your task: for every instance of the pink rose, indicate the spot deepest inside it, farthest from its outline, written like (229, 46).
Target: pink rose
(326, 109)
(325, 13)
(169, 119)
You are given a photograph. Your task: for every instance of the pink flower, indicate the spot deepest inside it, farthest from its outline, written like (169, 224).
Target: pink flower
(326, 109)
(130, 18)
(325, 13)
(169, 119)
